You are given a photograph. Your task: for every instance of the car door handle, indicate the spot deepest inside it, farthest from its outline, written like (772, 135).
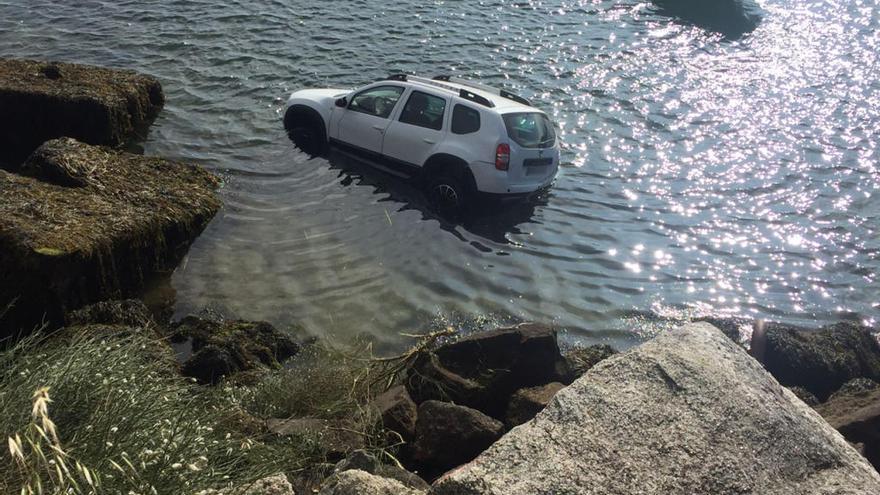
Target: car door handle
(429, 141)
(379, 128)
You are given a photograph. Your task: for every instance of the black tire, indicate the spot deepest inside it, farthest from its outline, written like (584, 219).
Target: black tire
(306, 131)
(447, 195)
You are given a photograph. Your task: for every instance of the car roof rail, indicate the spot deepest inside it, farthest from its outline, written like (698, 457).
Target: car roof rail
(482, 100)
(495, 91)
(395, 77)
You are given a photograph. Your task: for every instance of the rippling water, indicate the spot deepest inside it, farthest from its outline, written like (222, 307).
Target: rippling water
(700, 175)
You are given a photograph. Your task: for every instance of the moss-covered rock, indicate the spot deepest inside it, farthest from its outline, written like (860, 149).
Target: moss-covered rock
(821, 360)
(66, 243)
(221, 348)
(45, 100)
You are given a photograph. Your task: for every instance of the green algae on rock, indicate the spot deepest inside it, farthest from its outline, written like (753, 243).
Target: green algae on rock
(86, 223)
(45, 100)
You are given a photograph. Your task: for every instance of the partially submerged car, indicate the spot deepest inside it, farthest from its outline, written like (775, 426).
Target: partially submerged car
(461, 138)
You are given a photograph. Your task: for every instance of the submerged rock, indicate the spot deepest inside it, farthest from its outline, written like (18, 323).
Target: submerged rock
(87, 223)
(688, 412)
(40, 101)
(821, 361)
(732, 18)
(482, 370)
(220, 349)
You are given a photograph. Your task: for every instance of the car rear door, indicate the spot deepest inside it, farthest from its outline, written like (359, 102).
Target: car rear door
(412, 137)
(366, 118)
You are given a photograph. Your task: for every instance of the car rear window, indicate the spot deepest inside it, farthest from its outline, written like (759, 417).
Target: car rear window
(530, 129)
(465, 120)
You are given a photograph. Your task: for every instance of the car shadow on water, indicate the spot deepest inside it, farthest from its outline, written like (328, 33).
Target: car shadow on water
(486, 217)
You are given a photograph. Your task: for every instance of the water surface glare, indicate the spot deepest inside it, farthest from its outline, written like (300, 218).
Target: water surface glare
(731, 177)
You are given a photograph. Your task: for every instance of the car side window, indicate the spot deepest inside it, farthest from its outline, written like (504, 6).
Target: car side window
(465, 120)
(378, 101)
(424, 110)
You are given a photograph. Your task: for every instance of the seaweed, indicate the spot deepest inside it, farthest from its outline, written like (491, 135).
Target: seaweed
(86, 223)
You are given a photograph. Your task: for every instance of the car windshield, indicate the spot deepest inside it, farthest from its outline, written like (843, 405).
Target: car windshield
(530, 130)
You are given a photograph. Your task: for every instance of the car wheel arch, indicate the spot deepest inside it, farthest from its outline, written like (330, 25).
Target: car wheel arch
(444, 163)
(308, 111)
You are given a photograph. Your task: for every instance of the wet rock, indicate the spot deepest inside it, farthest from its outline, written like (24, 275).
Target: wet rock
(688, 412)
(334, 438)
(367, 462)
(398, 411)
(63, 247)
(732, 18)
(358, 459)
(220, 349)
(855, 386)
(40, 101)
(737, 329)
(128, 312)
(448, 435)
(805, 395)
(821, 360)
(356, 482)
(527, 402)
(482, 370)
(581, 359)
(855, 413)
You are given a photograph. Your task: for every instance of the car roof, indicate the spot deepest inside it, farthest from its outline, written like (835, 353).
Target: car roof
(501, 101)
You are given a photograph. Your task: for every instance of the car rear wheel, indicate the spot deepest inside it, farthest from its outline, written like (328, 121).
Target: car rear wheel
(306, 131)
(447, 195)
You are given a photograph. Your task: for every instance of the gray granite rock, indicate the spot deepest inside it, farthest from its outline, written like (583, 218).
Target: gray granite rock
(688, 412)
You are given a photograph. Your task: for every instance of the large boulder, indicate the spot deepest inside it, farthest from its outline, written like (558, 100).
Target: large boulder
(221, 348)
(482, 370)
(821, 361)
(688, 412)
(40, 101)
(357, 482)
(448, 435)
(855, 413)
(87, 223)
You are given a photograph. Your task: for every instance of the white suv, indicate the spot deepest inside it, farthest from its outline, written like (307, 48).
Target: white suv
(458, 136)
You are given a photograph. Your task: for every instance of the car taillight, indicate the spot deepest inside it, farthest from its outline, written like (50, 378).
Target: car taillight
(502, 156)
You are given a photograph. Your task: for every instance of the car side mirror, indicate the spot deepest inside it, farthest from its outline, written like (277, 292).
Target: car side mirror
(341, 102)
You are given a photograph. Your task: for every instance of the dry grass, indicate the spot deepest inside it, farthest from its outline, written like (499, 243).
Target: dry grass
(104, 411)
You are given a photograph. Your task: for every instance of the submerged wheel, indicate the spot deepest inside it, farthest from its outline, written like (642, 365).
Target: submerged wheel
(447, 195)
(305, 130)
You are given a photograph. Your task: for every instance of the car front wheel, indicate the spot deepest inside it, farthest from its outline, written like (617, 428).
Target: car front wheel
(306, 131)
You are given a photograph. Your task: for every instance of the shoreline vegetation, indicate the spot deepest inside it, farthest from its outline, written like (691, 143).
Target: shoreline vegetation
(97, 396)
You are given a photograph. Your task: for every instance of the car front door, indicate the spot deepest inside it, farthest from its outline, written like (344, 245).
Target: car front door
(364, 121)
(412, 137)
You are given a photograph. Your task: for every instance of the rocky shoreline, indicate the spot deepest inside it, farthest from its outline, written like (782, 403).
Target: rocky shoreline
(84, 226)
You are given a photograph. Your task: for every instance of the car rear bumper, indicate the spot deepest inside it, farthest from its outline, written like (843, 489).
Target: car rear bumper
(492, 181)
